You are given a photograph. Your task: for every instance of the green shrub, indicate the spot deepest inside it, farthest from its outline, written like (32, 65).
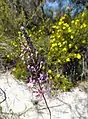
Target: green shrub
(9, 27)
(65, 42)
(66, 39)
(20, 71)
(60, 42)
(9, 21)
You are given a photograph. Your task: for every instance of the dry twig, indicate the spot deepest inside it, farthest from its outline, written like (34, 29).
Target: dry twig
(4, 95)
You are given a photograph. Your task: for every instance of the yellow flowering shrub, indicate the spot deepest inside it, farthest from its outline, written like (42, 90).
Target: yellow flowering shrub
(65, 42)
(60, 43)
(66, 39)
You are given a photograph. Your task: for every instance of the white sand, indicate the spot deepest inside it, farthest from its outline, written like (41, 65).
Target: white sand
(67, 105)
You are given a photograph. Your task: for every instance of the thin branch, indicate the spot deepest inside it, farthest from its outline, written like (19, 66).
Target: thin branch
(65, 103)
(4, 96)
(44, 98)
(6, 113)
(50, 107)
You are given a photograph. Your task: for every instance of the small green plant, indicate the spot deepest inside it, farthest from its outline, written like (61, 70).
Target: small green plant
(9, 27)
(20, 71)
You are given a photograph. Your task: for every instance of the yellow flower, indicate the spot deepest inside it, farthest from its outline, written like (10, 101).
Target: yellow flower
(76, 47)
(56, 49)
(60, 23)
(76, 22)
(19, 32)
(8, 56)
(43, 67)
(58, 75)
(52, 36)
(54, 27)
(74, 55)
(72, 21)
(64, 42)
(83, 14)
(49, 71)
(62, 39)
(83, 41)
(30, 35)
(59, 44)
(64, 27)
(52, 49)
(62, 18)
(64, 49)
(52, 40)
(68, 59)
(71, 37)
(69, 30)
(22, 50)
(15, 45)
(84, 25)
(70, 45)
(81, 26)
(52, 31)
(22, 36)
(40, 49)
(54, 44)
(78, 56)
(59, 61)
(40, 31)
(58, 36)
(50, 77)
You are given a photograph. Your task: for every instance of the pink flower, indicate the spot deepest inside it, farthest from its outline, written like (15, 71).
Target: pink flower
(28, 67)
(40, 91)
(30, 85)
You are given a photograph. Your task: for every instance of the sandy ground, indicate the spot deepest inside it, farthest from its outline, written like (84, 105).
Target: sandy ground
(18, 104)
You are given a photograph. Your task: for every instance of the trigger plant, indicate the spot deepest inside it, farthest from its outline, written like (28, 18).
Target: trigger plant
(35, 63)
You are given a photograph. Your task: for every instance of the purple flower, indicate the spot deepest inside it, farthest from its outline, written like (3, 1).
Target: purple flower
(41, 76)
(28, 67)
(33, 68)
(30, 85)
(30, 79)
(47, 78)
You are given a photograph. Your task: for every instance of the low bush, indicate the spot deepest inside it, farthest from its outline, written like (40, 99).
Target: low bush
(61, 44)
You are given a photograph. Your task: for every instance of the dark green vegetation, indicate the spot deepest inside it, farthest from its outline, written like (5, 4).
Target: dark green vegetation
(62, 43)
